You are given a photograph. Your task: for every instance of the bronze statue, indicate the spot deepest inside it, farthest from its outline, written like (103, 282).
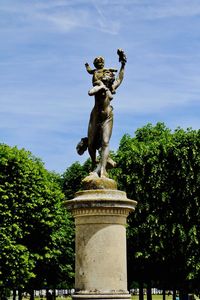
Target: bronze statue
(101, 117)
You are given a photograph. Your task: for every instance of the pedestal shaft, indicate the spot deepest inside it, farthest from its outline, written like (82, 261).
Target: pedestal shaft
(101, 253)
(100, 220)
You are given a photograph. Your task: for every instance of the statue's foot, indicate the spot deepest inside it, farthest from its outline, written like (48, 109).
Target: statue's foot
(111, 163)
(98, 183)
(93, 174)
(103, 173)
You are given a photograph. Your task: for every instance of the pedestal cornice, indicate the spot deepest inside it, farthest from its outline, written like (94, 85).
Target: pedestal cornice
(100, 202)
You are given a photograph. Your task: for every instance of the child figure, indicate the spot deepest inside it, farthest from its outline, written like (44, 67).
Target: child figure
(100, 72)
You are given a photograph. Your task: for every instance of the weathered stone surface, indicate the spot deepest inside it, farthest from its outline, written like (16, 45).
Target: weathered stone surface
(93, 182)
(100, 220)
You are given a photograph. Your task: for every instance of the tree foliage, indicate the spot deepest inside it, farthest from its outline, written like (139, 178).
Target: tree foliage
(157, 167)
(161, 170)
(34, 226)
(72, 178)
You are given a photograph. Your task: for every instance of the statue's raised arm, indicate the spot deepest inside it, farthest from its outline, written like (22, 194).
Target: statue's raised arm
(123, 60)
(101, 117)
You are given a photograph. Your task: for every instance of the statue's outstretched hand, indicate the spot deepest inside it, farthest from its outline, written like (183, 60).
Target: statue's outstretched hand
(122, 56)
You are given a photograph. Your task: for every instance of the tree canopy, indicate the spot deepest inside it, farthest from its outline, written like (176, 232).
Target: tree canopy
(72, 178)
(157, 167)
(161, 170)
(35, 229)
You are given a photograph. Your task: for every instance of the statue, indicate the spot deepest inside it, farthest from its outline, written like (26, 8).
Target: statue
(101, 117)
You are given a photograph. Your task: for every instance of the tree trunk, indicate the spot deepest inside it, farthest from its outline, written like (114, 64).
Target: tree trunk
(14, 294)
(47, 294)
(141, 291)
(149, 295)
(19, 294)
(183, 295)
(54, 295)
(174, 295)
(164, 294)
(32, 295)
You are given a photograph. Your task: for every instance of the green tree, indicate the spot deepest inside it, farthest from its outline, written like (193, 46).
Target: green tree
(160, 169)
(32, 221)
(72, 177)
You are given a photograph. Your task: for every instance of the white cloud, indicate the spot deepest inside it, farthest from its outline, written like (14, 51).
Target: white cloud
(173, 8)
(104, 20)
(149, 10)
(61, 15)
(106, 16)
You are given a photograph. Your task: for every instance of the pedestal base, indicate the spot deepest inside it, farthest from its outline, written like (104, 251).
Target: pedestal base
(101, 296)
(100, 220)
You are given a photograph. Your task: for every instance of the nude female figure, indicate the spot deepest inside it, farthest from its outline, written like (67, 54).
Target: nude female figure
(101, 117)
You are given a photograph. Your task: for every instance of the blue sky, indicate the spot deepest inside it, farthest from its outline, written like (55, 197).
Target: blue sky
(44, 44)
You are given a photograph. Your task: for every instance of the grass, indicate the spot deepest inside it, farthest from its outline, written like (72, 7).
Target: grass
(154, 297)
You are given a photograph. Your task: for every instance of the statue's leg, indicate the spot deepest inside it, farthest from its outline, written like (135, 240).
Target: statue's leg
(91, 139)
(106, 134)
(92, 153)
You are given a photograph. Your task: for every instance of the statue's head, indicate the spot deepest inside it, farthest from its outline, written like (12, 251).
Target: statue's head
(108, 78)
(99, 62)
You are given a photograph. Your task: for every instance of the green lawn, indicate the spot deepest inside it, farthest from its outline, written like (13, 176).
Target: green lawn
(154, 297)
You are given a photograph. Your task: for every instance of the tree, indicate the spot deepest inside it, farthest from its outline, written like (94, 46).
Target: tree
(72, 178)
(32, 235)
(160, 169)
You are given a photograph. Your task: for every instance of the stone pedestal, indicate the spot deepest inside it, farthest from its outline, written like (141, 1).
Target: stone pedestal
(100, 220)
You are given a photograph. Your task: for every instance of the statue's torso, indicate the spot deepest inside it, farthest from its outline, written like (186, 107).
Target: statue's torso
(102, 109)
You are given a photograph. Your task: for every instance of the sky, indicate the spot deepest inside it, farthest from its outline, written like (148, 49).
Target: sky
(44, 45)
